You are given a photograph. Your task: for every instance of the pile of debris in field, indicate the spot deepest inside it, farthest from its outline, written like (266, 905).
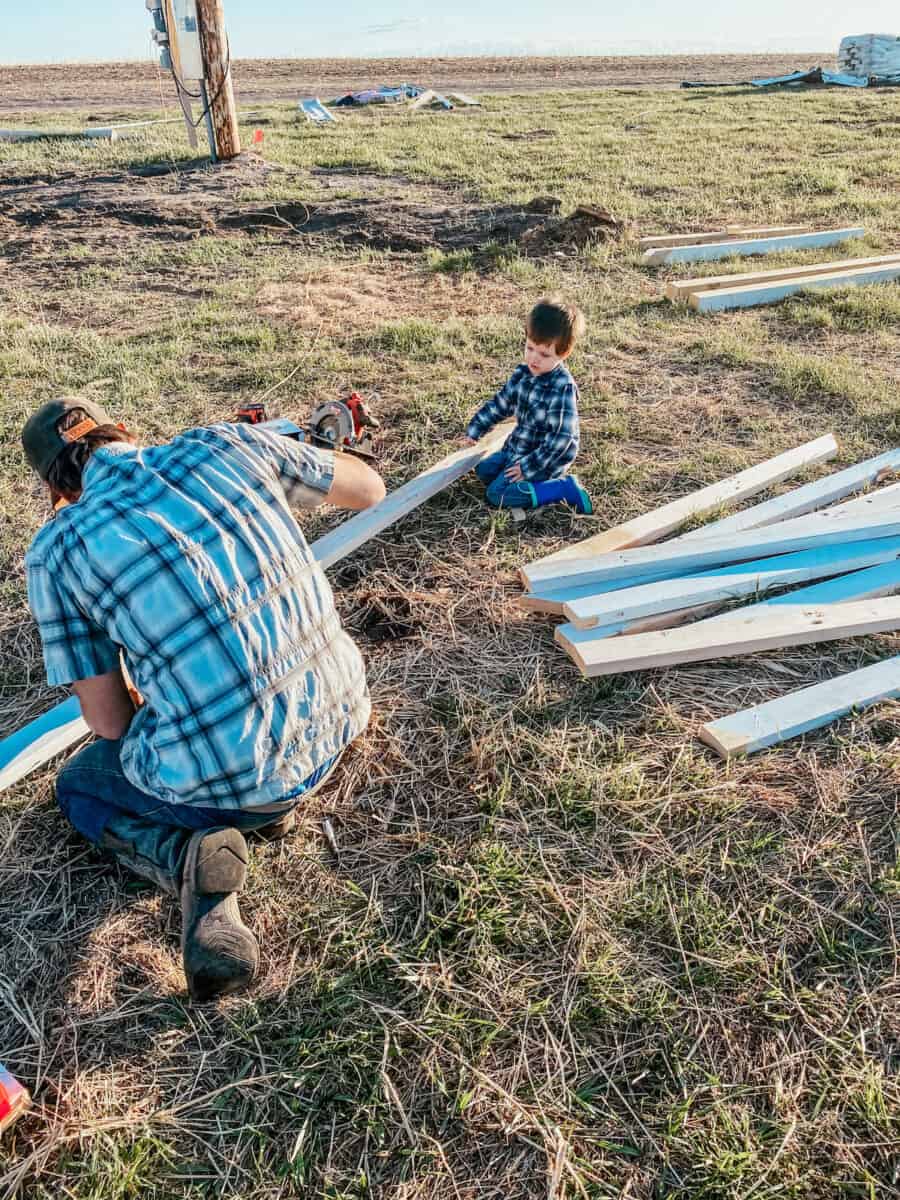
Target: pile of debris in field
(587, 224)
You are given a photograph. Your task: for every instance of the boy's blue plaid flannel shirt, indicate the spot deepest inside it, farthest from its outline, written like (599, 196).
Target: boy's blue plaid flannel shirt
(546, 437)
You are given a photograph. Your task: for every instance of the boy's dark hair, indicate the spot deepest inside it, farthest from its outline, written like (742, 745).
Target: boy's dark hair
(64, 473)
(552, 320)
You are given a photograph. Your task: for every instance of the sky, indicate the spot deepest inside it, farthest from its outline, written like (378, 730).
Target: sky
(104, 30)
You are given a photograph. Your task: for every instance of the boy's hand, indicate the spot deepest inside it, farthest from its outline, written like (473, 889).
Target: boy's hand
(467, 441)
(513, 473)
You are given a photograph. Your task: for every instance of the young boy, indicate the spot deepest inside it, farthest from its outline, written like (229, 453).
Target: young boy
(531, 468)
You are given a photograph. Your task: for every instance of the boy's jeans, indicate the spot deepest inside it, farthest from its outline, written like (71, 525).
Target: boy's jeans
(500, 492)
(147, 834)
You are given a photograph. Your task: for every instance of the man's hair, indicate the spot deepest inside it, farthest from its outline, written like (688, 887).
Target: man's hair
(554, 321)
(64, 474)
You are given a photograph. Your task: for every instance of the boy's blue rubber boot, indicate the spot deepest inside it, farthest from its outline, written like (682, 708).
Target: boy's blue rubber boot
(563, 491)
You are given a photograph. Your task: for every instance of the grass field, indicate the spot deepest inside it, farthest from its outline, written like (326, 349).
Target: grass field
(563, 950)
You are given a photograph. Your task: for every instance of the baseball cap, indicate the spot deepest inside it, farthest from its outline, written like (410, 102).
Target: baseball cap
(41, 439)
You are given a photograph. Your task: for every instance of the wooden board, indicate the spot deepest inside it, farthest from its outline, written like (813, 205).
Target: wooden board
(800, 712)
(40, 740)
(792, 625)
(810, 496)
(728, 583)
(62, 726)
(883, 580)
(653, 526)
(661, 241)
(686, 557)
(367, 524)
(770, 293)
(772, 245)
(680, 289)
(794, 503)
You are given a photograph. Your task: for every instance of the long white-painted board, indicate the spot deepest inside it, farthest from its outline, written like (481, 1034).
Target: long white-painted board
(367, 524)
(710, 251)
(659, 241)
(810, 708)
(61, 726)
(810, 496)
(653, 526)
(770, 293)
(680, 289)
(728, 583)
(801, 533)
(791, 625)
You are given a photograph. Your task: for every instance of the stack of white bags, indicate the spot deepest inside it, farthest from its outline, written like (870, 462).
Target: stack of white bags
(870, 54)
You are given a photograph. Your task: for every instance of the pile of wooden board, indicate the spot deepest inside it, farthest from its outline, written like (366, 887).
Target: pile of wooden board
(706, 247)
(631, 606)
(717, 292)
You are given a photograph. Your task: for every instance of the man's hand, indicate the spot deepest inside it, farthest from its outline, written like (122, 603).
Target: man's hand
(354, 485)
(513, 473)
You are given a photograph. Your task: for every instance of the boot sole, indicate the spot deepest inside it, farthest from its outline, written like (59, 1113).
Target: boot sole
(216, 862)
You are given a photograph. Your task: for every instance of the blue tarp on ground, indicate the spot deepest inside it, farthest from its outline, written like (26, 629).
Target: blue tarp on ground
(796, 78)
(384, 94)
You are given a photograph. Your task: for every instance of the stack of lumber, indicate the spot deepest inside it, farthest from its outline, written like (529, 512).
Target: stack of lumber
(870, 54)
(706, 247)
(717, 292)
(630, 605)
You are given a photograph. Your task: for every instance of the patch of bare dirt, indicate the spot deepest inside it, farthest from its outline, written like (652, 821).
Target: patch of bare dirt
(392, 214)
(123, 86)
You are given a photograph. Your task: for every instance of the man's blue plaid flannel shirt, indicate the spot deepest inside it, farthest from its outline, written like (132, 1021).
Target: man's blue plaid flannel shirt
(187, 559)
(546, 437)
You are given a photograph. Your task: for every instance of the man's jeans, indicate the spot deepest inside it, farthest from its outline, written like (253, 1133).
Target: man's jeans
(150, 835)
(500, 492)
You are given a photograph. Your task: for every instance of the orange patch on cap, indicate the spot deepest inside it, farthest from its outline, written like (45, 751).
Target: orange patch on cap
(77, 431)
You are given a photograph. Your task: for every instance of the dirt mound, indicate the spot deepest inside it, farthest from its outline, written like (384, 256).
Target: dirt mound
(585, 225)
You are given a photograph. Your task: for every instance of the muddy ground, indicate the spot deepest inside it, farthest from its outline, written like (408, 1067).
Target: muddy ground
(393, 213)
(137, 84)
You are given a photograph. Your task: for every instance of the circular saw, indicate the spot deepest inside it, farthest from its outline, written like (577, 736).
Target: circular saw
(345, 424)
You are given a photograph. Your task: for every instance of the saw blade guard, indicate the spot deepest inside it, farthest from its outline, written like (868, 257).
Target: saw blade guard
(332, 422)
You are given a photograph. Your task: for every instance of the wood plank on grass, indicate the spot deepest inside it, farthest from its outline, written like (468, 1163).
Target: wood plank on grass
(707, 252)
(660, 241)
(61, 726)
(367, 524)
(883, 580)
(792, 625)
(40, 740)
(810, 496)
(777, 721)
(728, 583)
(652, 526)
(552, 601)
(680, 289)
(770, 293)
(686, 557)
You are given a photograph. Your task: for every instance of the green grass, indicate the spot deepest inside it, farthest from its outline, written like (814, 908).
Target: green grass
(563, 951)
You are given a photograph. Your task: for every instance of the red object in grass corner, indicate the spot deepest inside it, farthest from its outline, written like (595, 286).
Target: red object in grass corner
(13, 1098)
(258, 136)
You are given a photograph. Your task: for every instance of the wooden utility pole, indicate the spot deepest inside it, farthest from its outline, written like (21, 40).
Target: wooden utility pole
(217, 72)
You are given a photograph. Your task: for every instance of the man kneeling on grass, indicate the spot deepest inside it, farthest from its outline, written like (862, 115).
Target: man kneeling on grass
(181, 567)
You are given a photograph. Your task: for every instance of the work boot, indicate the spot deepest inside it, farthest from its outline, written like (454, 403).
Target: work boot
(278, 828)
(220, 953)
(126, 853)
